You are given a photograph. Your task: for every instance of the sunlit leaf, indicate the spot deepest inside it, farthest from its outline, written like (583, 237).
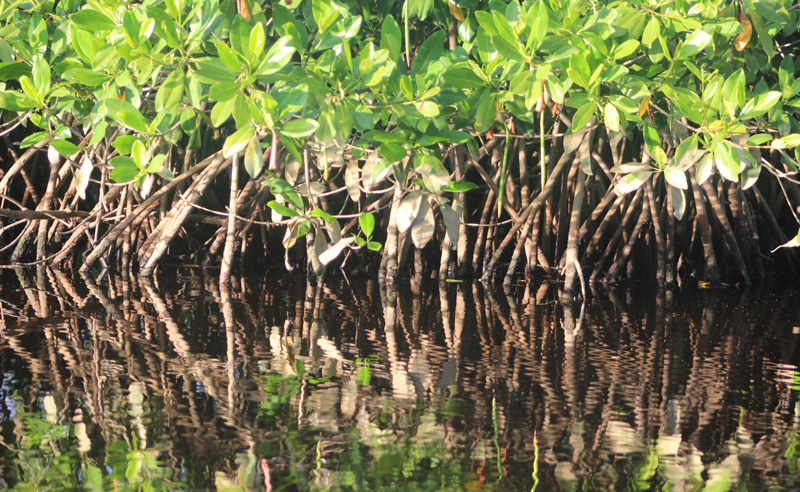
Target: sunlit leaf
(676, 177)
(64, 147)
(743, 38)
(367, 222)
(334, 251)
(282, 209)
(82, 177)
(238, 141)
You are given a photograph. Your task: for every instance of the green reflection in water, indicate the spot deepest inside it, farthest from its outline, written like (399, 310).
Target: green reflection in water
(287, 385)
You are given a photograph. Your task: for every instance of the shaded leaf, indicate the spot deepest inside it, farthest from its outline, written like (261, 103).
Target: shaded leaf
(452, 222)
(424, 225)
(678, 200)
(704, 168)
(253, 157)
(408, 209)
(299, 128)
(351, 180)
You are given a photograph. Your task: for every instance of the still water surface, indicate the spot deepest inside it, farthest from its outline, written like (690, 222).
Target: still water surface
(288, 385)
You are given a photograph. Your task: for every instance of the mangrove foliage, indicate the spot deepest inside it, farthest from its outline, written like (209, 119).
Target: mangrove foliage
(598, 141)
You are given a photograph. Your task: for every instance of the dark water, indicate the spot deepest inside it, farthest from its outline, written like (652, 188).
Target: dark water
(287, 385)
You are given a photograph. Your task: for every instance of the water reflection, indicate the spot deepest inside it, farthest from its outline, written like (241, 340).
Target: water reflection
(284, 384)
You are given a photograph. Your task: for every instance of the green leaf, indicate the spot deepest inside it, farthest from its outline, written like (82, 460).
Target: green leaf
(156, 164)
(282, 209)
(221, 112)
(30, 90)
(238, 141)
(277, 57)
(703, 170)
(212, 70)
(508, 50)
(257, 41)
(430, 50)
(281, 187)
(391, 38)
(787, 142)
(459, 187)
(651, 31)
(41, 75)
(14, 70)
(463, 76)
(171, 91)
(64, 147)
(759, 105)
(139, 154)
(367, 223)
(651, 138)
(578, 70)
(134, 121)
(625, 49)
(759, 139)
(319, 213)
(92, 20)
(392, 152)
(694, 44)
(124, 143)
(33, 139)
(125, 113)
(583, 116)
(325, 14)
(786, 75)
(611, 117)
(428, 108)
(538, 20)
(125, 169)
(85, 76)
(253, 157)
(727, 161)
(299, 128)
